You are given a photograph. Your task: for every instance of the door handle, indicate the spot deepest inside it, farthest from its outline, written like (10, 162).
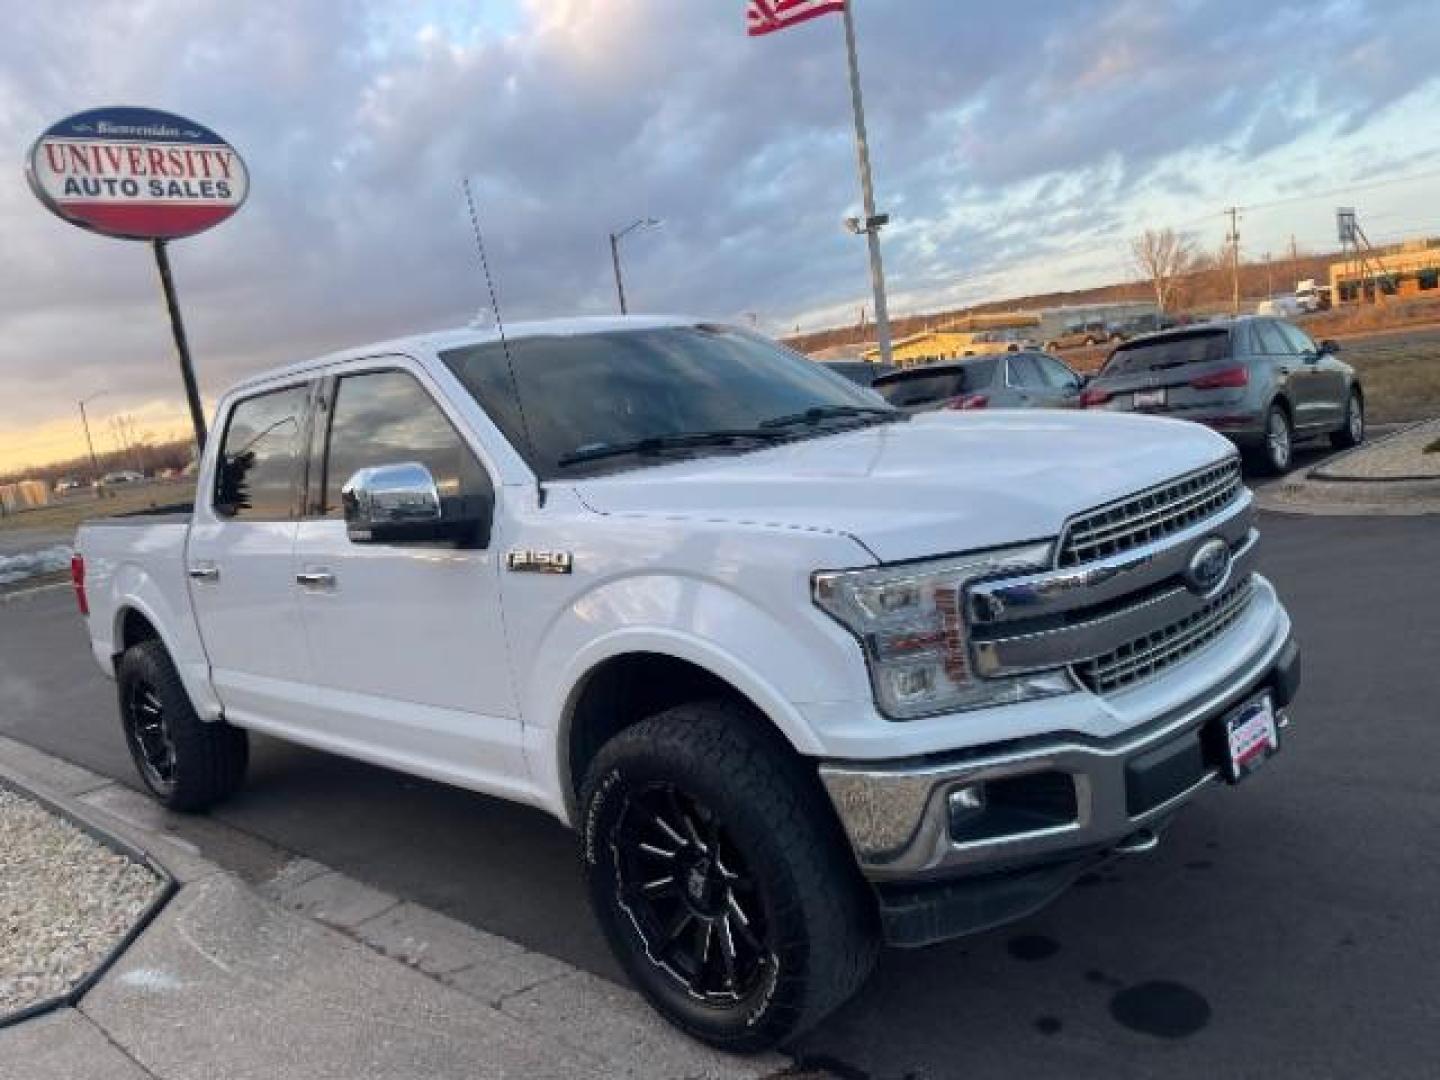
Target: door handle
(204, 573)
(316, 579)
(1283, 370)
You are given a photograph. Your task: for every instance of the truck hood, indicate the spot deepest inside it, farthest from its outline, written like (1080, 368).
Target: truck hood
(941, 483)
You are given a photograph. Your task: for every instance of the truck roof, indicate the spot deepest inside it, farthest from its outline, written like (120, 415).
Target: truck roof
(459, 337)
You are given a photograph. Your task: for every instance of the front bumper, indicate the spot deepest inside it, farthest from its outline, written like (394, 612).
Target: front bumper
(1054, 805)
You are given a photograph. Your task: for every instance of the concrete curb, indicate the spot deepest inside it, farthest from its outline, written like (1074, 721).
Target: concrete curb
(542, 1013)
(117, 844)
(1319, 472)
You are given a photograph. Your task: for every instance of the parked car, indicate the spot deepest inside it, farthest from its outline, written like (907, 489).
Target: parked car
(1311, 296)
(860, 372)
(67, 484)
(1279, 307)
(1261, 382)
(1148, 323)
(806, 673)
(1080, 335)
(991, 342)
(124, 476)
(1023, 380)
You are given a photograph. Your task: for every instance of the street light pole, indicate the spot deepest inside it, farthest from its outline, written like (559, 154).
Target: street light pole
(873, 220)
(619, 279)
(615, 238)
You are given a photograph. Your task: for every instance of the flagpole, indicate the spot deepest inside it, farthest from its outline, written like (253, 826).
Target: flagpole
(867, 189)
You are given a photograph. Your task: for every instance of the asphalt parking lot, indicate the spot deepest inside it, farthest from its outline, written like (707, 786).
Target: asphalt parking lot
(1284, 928)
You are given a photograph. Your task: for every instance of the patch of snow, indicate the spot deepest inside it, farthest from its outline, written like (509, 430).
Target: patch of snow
(30, 563)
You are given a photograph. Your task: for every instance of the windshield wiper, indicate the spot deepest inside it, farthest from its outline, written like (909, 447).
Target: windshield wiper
(654, 444)
(832, 412)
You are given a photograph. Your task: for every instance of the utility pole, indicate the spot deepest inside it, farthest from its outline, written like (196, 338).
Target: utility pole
(1233, 239)
(873, 221)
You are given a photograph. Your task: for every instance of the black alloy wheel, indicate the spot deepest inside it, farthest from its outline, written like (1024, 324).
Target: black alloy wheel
(147, 733)
(688, 892)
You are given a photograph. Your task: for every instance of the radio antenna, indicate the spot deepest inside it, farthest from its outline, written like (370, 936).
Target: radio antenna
(500, 327)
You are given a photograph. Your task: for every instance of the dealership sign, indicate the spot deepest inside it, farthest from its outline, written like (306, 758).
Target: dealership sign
(137, 174)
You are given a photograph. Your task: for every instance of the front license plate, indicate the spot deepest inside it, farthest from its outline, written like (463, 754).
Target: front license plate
(1251, 737)
(1150, 399)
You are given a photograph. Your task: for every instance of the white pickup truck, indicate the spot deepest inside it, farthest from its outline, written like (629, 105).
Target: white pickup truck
(807, 674)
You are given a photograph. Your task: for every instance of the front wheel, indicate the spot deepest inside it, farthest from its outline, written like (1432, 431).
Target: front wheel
(720, 878)
(1353, 433)
(187, 763)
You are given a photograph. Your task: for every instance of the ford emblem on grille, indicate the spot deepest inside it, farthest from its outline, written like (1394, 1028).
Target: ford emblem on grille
(1208, 567)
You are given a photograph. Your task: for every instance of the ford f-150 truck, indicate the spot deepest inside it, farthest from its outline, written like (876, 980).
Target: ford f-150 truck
(806, 674)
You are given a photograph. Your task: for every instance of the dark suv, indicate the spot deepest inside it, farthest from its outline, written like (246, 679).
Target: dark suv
(1262, 382)
(1018, 380)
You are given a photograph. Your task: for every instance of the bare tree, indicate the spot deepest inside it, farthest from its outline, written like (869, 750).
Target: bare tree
(1162, 256)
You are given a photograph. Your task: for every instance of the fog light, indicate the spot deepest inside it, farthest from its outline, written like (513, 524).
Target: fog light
(965, 804)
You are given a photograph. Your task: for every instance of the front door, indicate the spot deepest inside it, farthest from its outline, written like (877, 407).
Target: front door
(406, 640)
(239, 559)
(1326, 378)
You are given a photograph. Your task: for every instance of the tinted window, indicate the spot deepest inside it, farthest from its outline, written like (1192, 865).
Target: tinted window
(1025, 373)
(1298, 340)
(923, 389)
(606, 389)
(388, 418)
(1268, 338)
(256, 475)
(1055, 373)
(1177, 350)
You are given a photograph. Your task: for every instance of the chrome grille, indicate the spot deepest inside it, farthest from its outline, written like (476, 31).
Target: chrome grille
(1157, 650)
(1150, 515)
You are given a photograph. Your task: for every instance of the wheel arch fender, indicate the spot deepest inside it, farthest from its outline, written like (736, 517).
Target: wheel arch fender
(137, 594)
(707, 656)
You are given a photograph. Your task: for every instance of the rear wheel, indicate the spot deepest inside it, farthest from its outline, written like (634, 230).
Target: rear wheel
(1275, 452)
(187, 763)
(720, 879)
(1353, 433)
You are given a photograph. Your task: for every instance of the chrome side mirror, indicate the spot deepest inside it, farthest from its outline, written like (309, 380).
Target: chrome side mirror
(392, 504)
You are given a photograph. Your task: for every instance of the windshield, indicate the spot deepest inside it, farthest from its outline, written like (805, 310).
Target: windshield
(1175, 350)
(588, 392)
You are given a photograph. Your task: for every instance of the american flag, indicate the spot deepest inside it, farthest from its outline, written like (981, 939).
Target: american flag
(767, 16)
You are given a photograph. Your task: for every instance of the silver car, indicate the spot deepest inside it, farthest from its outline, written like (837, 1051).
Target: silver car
(1018, 380)
(1260, 381)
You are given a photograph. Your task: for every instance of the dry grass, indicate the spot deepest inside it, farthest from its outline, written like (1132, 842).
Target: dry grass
(1400, 373)
(68, 512)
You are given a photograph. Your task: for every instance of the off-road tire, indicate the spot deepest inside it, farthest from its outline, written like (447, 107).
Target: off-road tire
(207, 759)
(1352, 433)
(818, 917)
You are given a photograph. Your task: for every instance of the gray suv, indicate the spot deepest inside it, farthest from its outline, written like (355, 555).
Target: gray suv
(1018, 380)
(1262, 382)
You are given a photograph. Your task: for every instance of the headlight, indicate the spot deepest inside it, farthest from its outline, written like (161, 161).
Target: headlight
(911, 622)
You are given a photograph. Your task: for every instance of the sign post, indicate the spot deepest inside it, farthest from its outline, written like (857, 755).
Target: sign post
(141, 174)
(182, 346)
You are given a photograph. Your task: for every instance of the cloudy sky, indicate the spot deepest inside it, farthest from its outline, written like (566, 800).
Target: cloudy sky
(1016, 146)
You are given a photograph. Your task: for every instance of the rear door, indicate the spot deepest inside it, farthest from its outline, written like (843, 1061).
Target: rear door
(407, 640)
(239, 558)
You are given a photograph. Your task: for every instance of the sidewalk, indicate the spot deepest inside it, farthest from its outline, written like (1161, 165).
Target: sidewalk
(311, 974)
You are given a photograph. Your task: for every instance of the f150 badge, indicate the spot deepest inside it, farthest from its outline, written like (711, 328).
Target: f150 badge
(539, 562)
